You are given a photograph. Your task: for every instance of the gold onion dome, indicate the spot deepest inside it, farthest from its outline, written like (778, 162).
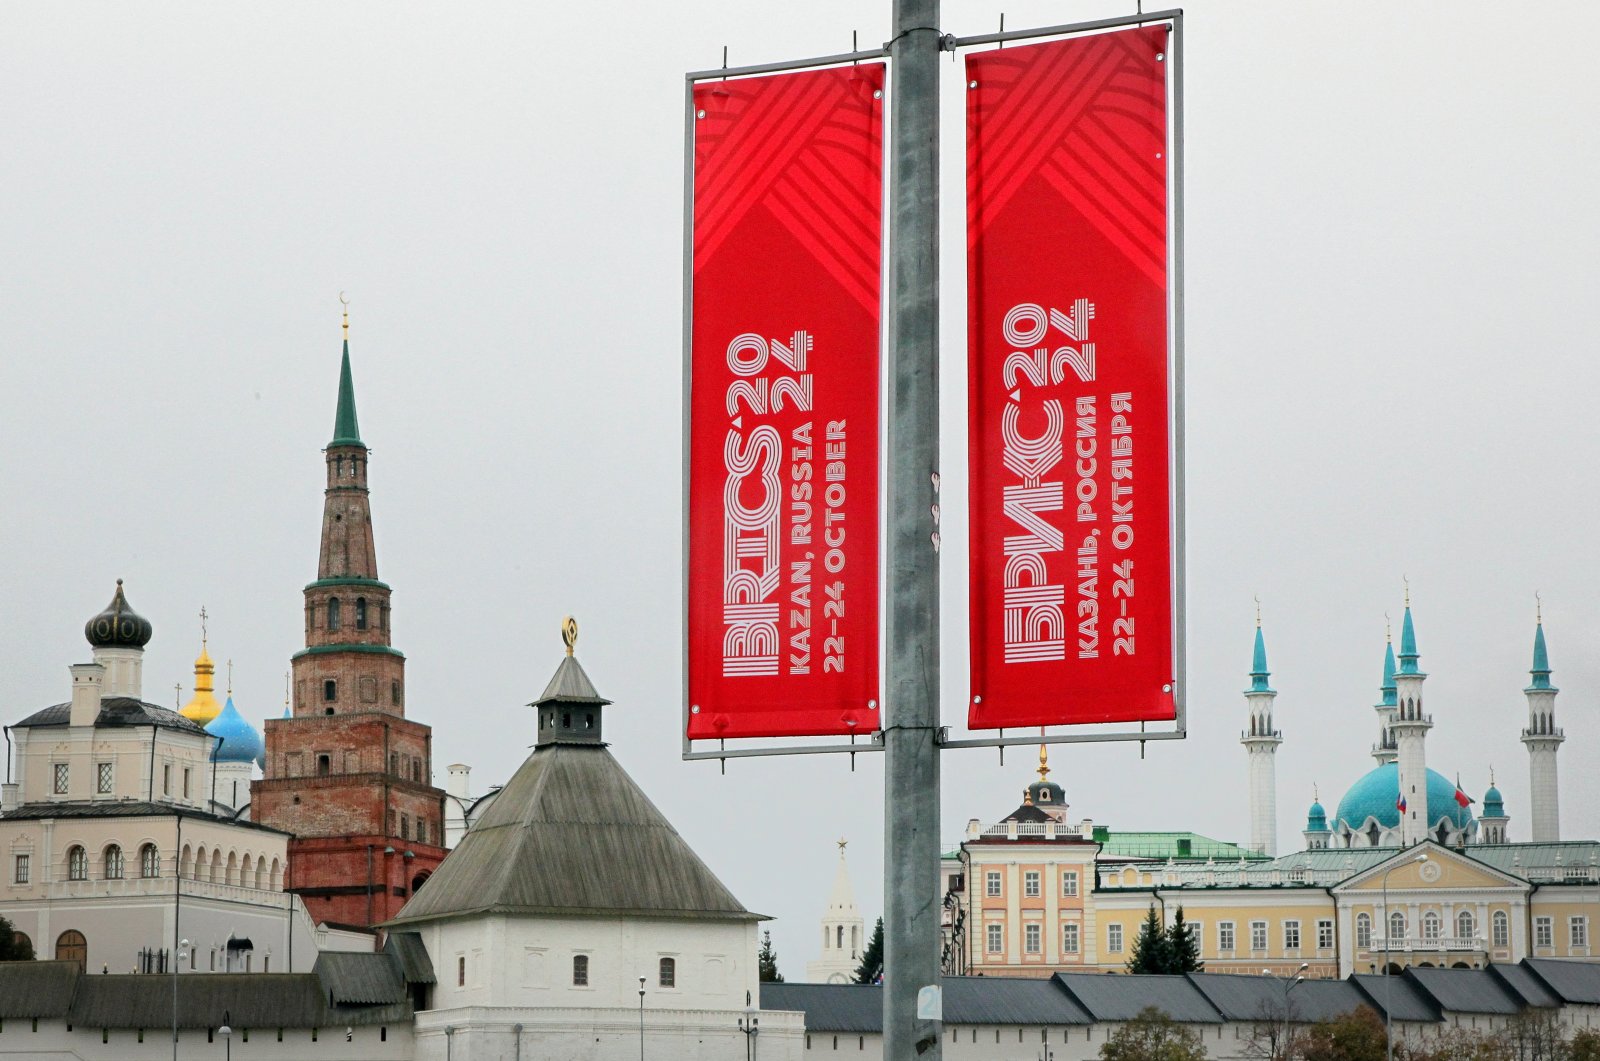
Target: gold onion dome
(203, 708)
(119, 626)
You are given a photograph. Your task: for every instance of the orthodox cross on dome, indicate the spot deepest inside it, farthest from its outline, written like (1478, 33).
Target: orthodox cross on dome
(569, 633)
(203, 618)
(843, 843)
(230, 677)
(177, 695)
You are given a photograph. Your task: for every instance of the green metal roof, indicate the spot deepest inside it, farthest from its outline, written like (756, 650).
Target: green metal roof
(346, 432)
(1541, 662)
(1258, 666)
(1170, 845)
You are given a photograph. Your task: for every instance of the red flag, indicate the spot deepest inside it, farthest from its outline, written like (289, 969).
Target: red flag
(1461, 797)
(1400, 804)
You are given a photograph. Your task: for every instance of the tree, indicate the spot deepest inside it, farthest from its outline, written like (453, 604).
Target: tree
(767, 961)
(872, 961)
(1183, 946)
(1153, 1036)
(14, 947)
(1152, 951)
(1585, 1045)
(1354, 1036)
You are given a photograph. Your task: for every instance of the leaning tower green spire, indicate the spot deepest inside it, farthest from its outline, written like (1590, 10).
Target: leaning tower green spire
(346, 432)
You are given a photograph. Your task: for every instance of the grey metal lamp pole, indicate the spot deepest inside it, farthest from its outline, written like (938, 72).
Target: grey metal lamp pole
(750, 1024)
(641, 1018)
(226, 1031)
(1388, 991)
(1289, 985)
(177, 956)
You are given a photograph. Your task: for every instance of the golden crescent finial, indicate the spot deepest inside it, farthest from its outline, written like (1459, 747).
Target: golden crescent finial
(1388, 631)
(1538, 609)
(345, 302)
(1407, 583)
(569, 633)
(230, 677)
(1258, 609)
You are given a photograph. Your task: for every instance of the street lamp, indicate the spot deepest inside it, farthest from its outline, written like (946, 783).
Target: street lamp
(177, 958)
(227, 1035)
(641, 1018)
(1288, 986)
(1388, 991)
(750, 1024)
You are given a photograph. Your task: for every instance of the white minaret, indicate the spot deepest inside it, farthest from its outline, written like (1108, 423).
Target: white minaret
(1261, 742)
(1387, 705)
(1543, 738)
(842, 942)
(1411, 726)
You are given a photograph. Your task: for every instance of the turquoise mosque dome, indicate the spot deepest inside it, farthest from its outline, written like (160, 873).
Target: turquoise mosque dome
(1316, 818)
(1374, 796)
(1493, 804)
(240, 741)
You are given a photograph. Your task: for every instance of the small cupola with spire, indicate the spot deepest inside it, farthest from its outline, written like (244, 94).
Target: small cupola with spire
(569, 709)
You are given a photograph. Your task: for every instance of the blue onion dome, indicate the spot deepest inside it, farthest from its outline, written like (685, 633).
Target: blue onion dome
(240, 741)
(1316, 819)
(1493, 806)
(1374, 796)
(119, 626)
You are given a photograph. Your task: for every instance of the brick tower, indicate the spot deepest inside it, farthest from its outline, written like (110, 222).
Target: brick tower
(347, 774)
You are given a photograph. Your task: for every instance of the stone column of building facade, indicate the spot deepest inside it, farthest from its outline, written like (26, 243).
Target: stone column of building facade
(1261, 742)
(347, 773)
(1411, 727)
(1543, 739)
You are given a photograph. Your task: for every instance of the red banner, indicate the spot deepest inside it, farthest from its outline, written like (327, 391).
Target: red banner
(783, 405)
(1071, 537)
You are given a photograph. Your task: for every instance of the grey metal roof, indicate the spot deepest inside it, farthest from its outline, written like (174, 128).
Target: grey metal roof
(115, 711)
(361, 978)
(1398, 994)
(1121, 997)
(858, 1008)
(570, 685)
(1010, 1000)
(128, 809)
(1465, 990)
(250, 1000)
(1525, 985)
(37, 989)
(1572, 981)
(1248, 998)
(572, 834)
(853, 1008)
(415, 965)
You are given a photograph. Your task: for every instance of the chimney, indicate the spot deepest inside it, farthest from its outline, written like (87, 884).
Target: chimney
(459, 782)
(88, 681)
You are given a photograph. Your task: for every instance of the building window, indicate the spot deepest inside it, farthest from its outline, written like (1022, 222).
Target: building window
(361, 613)
(1069, 939)
(669, 972)
(394, 691)
(61, 777)
(1502, 929)
(1465, 927)
(333, 613)
(1225, 936)
(1430, 925)
(1397, 925)
(1544, 932)
(1030, 884)
(994, 937)
(149, 861)
(580, 970)
(22, 873)
(461, 971)
(330, 690)
(1363, 930)
(166, 779)
(1032, 934)
(1258, 935)
(113, 861)
(78, 863)
(1114, 939)
(991, 883)
(1291, 935)
(1578, 931)
(1069, 883)
(102, 779)
(1324, 935)
(188, 776)
(405, 827)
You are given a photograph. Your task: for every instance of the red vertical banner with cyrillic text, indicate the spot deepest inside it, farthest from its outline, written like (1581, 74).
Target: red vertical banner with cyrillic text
(1069, 374)
(783, 404)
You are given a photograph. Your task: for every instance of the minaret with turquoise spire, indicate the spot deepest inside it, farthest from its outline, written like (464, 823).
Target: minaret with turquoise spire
(1387, 705)
(1410, 726)
(1261, 742)
(1543, 739)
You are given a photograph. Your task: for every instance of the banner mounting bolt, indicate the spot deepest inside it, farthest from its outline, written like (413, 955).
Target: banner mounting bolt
(699, 114)
(972, 84)
(1161, 57)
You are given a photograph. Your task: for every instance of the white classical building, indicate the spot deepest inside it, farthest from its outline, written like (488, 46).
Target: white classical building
(114, 855)
(843, 939)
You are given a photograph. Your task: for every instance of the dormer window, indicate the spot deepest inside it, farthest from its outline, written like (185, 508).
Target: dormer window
(1044, 795)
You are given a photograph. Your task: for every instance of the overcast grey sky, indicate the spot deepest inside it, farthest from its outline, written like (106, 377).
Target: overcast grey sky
(1391, 241)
